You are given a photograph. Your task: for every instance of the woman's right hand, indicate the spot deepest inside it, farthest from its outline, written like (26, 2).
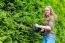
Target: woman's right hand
(36, 25)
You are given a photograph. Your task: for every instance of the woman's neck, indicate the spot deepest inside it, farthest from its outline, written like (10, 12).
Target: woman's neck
(47, 16)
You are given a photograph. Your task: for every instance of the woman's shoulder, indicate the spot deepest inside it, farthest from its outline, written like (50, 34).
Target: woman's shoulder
(53, 17)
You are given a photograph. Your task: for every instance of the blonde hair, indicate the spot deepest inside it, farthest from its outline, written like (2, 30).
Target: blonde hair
(51, 12)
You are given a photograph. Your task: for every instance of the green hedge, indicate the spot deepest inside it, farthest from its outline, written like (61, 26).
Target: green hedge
(17, 19)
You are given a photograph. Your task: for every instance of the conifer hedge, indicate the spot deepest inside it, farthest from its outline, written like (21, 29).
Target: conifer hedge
(18, 17)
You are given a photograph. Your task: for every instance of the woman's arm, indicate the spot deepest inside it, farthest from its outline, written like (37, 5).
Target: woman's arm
(43, 27)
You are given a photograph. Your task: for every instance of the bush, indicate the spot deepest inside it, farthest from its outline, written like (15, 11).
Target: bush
(18, 17)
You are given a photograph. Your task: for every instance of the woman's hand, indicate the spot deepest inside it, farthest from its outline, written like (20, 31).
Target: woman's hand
(36, 25)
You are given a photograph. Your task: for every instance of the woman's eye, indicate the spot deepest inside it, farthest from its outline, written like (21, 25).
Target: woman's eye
(46, 10)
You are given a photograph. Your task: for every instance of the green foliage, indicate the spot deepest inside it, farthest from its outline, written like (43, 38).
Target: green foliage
(17, 19)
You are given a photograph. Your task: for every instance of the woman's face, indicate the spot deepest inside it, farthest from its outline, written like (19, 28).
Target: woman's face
(47, 11)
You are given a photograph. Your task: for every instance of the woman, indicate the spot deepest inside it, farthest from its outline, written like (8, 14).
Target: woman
(48, 28)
